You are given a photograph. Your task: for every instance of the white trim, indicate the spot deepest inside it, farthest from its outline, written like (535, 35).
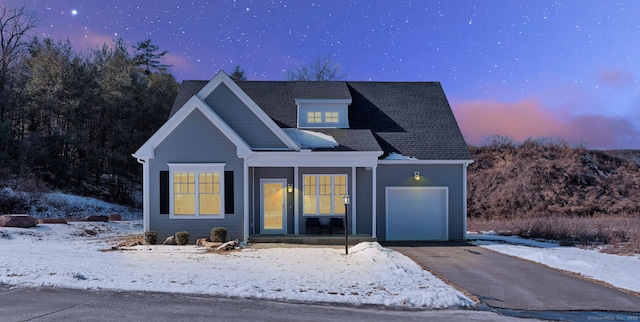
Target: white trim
(446, 206)
(196, 167)
(245, 197)
(283, 182)
(425, 162)
(323, 101)
(222, 77)
(374, 201)
(147, 149)
(353, 200)
(296, 195)
(146, 201)
(307, 158)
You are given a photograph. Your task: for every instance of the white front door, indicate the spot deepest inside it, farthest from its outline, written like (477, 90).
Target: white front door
(272, 207)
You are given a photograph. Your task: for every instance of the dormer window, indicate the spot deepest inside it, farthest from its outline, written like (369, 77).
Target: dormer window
(331, 117)
(325, 113)
(314, 117)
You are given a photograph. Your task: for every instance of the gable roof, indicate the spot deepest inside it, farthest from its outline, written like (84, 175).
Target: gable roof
(410, 118)
(147, 150)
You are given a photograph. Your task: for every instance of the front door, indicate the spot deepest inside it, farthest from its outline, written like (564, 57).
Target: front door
(272, 209)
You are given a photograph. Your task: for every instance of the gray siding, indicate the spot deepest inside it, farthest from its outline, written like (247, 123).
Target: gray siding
(364, 181)
(241, 119)
(195, 140)
(255, 174)
(431, 176)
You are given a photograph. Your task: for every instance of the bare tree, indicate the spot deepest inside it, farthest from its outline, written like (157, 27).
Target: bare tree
(15, 25)
(322, 69)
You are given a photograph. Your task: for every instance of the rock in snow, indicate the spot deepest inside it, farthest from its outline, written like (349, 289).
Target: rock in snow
(20, 221)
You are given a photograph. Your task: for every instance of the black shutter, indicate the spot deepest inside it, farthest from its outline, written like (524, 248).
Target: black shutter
(228, 192)
(164, 192)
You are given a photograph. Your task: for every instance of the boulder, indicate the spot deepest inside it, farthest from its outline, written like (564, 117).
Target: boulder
(205, 242)
(20, 221)
(52, 221)
(115, 217)
(171, 240)
(96, 218)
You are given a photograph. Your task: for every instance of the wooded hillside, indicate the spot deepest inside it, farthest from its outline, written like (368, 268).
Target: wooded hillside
(69, 120)
(541, 178)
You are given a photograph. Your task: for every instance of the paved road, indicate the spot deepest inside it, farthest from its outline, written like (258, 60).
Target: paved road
(56, 304)
(503, 281)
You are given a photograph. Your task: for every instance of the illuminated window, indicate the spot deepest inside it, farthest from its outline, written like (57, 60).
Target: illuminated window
(314, 117)
(196, 190)
(209, 193)
(331, 117)
(184, 193)
(323, 194)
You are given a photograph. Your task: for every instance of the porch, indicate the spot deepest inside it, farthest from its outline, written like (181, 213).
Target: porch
(310, 239)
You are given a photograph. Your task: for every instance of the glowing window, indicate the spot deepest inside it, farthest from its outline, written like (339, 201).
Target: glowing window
(197, 190)
(331, 117)
(322, 194)
(314, 117)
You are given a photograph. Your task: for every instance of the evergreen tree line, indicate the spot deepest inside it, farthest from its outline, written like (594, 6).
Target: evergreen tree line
(71, 120)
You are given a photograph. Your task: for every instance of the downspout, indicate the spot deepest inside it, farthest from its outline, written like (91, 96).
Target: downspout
(146, 220)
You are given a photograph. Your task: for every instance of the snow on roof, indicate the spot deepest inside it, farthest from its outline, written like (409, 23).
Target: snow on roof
(311, 140)
(398, 156)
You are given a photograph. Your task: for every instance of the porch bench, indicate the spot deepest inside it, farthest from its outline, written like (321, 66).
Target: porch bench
(313, 224)
(337, 224)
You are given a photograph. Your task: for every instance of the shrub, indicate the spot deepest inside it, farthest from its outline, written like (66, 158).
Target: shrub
(182, 238)
(219, 234)
(150, 237)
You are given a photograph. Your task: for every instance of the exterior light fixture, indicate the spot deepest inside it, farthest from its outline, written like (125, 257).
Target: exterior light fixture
(289, 188)
(416, 175)
(346, 200)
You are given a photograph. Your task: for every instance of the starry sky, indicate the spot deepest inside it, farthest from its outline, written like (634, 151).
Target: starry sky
(564, 70)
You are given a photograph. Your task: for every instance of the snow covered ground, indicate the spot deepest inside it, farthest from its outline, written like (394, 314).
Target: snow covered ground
(79, 255)
(619, 271)
(74, 256)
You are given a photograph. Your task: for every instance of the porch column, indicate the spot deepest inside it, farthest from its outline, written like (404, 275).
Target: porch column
(353, 200)
(295, 201)
(146, 203)
(245, 197)
(374, 202)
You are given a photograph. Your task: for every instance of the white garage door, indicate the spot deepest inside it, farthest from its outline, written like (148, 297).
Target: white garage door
(416, 213)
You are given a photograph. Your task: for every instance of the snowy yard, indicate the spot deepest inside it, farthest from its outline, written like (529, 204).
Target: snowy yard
(74, 256)
(79, 255)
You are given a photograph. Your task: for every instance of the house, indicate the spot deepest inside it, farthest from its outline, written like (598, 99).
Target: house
(261, 157)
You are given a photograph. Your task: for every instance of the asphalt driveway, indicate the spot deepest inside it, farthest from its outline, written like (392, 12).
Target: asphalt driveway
(506, 282)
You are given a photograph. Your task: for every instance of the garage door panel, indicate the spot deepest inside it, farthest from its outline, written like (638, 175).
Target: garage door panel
(416, 213)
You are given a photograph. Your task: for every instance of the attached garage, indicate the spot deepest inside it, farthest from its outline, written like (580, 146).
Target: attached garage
(417, 213)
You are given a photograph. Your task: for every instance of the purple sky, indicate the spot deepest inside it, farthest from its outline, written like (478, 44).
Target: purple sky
(526, 68)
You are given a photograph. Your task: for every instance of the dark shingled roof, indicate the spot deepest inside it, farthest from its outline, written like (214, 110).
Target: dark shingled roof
(411, 118)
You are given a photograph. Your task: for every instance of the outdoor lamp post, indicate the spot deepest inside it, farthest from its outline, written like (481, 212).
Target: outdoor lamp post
(346, 200)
